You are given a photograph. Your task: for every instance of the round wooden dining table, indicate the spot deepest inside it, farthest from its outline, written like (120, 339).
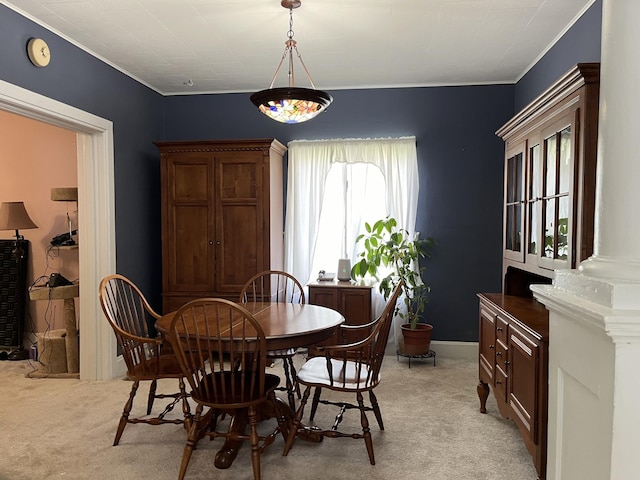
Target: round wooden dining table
(285, 325)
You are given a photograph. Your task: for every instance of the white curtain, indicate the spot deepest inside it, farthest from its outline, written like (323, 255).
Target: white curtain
(308, 165)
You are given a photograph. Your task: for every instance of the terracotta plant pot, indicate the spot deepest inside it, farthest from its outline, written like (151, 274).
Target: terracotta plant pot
(417, 341)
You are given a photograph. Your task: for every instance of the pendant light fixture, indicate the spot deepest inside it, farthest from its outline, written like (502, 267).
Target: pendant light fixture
(291, 104)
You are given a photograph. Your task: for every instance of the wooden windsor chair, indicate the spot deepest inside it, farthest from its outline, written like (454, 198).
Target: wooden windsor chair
(351, 368)
(147, 356)
(277, 286)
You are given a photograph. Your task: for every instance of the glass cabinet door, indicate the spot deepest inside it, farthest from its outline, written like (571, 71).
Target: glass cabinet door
(534, 194)
(556, 207)
(514, 206)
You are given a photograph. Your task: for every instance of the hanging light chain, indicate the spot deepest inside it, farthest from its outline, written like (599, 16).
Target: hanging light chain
(291, 45)
(290, 32)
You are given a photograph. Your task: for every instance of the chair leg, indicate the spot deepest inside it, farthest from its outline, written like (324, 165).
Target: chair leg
(280, 415)
(254, 439)
(186, 409)
(294, 378)
(289, 372)
(314, 402)
(366, 433)
(192, 441)
(125, 412)
(152, 395)
(376, 409)
(296, 421)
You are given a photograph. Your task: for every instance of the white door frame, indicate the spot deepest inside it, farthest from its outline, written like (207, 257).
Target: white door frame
(96, 213)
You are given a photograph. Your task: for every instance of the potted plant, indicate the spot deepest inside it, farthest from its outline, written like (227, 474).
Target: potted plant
(386, 245)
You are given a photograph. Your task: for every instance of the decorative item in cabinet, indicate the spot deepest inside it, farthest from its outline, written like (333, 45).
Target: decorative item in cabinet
(550, 166)
(222, 216)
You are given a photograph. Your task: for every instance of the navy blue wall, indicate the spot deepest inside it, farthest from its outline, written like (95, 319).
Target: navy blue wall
(460, 162)
(78, 79)
(579, 45)
(460, 157)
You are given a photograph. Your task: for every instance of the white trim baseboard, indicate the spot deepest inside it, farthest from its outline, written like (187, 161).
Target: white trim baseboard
(447, 349)
(462, 350)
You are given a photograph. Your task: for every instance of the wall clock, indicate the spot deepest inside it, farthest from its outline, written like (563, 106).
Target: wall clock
(38, 52)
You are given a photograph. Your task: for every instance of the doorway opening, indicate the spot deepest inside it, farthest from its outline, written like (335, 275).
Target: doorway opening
(98, 359)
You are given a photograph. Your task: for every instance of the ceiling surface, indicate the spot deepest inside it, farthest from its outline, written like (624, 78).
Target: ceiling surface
(221, 46)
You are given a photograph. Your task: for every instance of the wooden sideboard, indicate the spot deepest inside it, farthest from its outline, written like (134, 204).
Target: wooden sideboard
(351, 300)
(513, 362)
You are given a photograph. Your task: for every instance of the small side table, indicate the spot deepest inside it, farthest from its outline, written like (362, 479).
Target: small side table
(71, 340)
(430, 354)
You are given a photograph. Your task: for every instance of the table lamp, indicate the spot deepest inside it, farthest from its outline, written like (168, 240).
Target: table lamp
(13, 216)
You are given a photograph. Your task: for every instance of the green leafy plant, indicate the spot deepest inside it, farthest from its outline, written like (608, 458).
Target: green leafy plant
(386, 245)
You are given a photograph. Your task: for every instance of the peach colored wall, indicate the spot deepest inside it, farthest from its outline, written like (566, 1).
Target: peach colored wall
(34, 157)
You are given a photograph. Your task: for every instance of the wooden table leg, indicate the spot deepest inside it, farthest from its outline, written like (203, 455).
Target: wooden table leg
(229, 450)
(227, 454)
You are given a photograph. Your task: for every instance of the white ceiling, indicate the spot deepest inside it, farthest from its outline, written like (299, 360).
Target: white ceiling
(235, 45)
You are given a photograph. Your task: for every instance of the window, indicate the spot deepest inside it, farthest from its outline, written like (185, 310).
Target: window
(354, 194)
(392, 163)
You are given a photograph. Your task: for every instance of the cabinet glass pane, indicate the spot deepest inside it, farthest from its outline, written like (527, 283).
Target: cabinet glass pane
(510, 243)
(563, 228)
(514, 206)
(549, 208)
(534, 194)
(514, 176)
(514, 217)
(550, 166)
(565, 160)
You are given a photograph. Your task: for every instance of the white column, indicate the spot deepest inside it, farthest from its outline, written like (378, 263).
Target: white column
(617, 229)
(594, 312)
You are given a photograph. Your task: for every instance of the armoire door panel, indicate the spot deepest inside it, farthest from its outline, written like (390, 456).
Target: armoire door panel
(191, 182)
(239, 254)
(192, 260)
(239, 180)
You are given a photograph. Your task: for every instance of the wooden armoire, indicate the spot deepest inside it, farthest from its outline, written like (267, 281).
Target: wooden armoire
(222, 216)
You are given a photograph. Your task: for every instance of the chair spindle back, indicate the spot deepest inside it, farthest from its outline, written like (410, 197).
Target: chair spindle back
(222, 351)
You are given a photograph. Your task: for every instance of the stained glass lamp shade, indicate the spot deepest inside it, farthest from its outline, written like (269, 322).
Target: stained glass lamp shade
(291, 104)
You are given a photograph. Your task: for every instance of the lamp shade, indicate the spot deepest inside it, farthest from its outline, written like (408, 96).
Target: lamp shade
(13, 216)
(64, 194)
(291, 104)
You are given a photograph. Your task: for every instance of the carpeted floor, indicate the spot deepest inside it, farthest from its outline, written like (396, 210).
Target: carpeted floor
(62, 428)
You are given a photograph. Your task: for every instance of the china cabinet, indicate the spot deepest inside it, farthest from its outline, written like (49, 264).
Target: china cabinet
(549, 201)
(550, 168)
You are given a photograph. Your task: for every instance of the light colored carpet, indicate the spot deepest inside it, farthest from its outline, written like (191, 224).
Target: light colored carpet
(64, 428)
